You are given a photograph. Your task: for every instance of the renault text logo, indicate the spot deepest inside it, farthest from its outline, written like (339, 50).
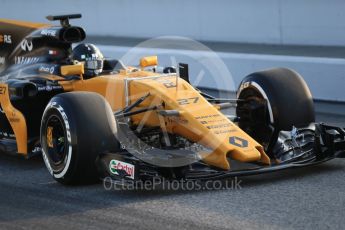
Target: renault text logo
(26, 45)
(239, 142)
(5, 39)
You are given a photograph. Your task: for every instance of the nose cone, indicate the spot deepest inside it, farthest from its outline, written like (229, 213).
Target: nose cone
(212, 129)
(219, 157)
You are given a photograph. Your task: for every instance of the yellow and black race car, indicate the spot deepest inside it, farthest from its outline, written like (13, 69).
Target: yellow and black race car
(92, 117)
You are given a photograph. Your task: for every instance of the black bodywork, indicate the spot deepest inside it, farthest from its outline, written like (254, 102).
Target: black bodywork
(28, 54)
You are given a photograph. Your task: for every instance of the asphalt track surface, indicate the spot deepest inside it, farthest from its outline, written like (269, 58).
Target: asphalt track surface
(308, 198)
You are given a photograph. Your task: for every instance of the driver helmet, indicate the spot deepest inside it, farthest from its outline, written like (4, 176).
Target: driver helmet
(92, 58)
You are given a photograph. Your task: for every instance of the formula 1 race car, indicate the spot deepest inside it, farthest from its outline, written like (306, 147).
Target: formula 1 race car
(136, 123)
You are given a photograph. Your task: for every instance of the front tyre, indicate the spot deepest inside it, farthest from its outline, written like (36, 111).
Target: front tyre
(277, 99)
(76, 127)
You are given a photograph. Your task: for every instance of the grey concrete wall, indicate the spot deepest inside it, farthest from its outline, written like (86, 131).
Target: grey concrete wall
(303, 22)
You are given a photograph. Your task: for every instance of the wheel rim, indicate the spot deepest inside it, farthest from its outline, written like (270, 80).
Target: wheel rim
(56, 143)
(261, 129)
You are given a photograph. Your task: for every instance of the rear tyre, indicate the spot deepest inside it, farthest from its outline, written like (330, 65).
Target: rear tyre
(76, 127)
(287, 99)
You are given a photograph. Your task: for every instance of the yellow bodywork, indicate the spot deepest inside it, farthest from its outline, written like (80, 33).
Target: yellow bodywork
(33, 25)
(16, 120)
(198, 120)
(69, 70)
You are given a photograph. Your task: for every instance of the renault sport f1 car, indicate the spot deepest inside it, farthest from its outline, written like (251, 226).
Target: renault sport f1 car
(92, 117)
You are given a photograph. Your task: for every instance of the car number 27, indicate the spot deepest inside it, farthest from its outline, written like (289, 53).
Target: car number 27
(186, 101)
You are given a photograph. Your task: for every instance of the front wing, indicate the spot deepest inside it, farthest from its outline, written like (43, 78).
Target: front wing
(328, 143)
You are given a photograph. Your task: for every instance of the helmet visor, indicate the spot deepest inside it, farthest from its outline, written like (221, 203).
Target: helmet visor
(94, 64)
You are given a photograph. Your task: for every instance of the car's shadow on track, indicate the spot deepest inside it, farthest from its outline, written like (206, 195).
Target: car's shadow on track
(289, 175)
(28, 192)
(248, 182)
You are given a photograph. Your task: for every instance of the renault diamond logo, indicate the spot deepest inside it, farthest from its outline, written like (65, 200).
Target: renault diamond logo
(239, 142)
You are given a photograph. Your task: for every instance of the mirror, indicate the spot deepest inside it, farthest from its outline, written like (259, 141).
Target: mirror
(148, 61)
(69, 70)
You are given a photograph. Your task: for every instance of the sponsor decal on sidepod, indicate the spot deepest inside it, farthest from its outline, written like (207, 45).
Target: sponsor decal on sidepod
(26, 45)
(19, 60)
(47, 69)
(115, 166)
(48, 32)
